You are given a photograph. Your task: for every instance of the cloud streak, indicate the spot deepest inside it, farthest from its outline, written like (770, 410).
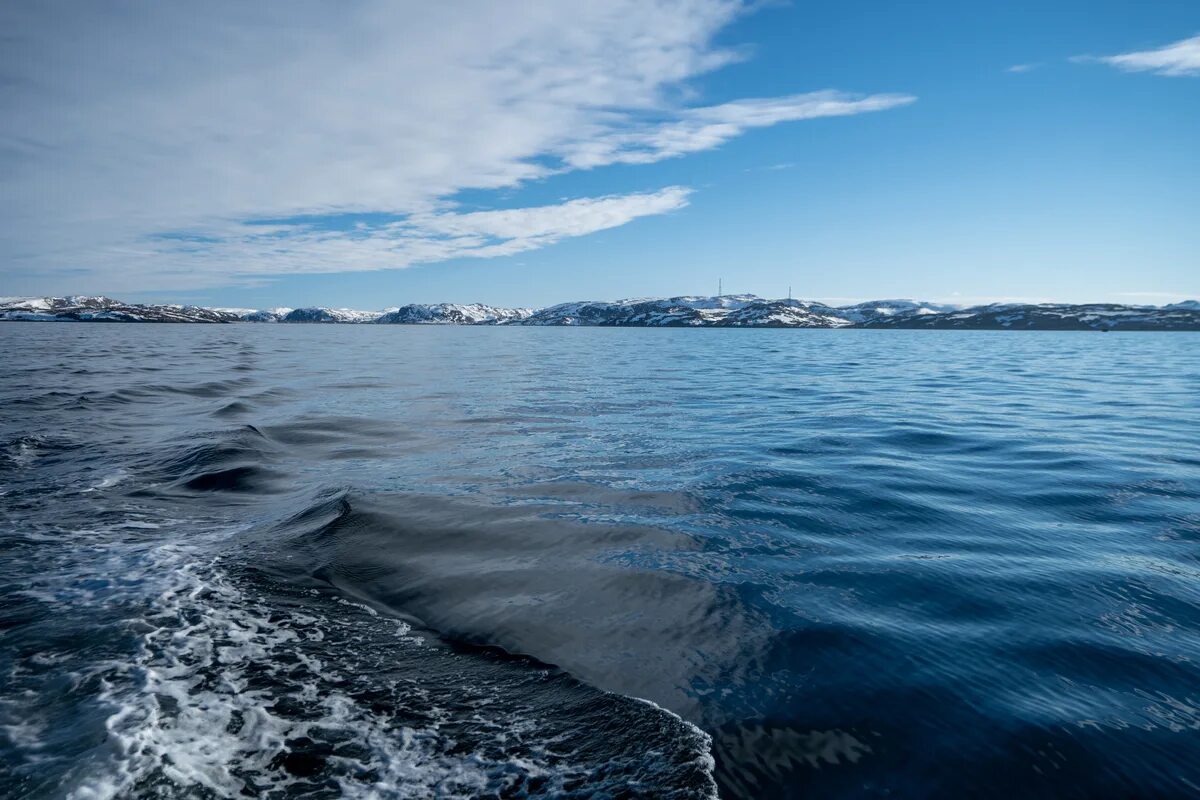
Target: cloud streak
(699, 129)
(137, 140)
(1179, 59)
(250, 252)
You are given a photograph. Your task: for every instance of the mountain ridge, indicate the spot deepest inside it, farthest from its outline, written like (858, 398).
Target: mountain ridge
(722, 311)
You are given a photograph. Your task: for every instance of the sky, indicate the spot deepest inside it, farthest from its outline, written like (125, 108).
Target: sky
(372, 153)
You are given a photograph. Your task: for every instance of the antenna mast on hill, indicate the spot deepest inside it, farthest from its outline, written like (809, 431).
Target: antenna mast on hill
(718, 287)
(789, 293)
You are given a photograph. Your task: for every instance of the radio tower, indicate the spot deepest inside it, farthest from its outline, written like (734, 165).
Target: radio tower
(718, 287)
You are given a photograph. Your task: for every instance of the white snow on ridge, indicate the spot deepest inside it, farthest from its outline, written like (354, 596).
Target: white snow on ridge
(726, 302)
(25, 302)
(354, 315)
(453, 314)
(874, 309)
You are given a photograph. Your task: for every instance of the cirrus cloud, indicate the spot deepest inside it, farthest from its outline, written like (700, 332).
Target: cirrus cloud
(1178, 59)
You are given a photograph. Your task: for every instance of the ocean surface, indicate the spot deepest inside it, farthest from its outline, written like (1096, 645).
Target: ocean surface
(404, 561)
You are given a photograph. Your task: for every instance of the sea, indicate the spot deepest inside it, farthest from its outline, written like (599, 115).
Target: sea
(374, 561)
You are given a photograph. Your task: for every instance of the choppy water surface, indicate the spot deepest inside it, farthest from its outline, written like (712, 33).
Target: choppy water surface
(407, 561)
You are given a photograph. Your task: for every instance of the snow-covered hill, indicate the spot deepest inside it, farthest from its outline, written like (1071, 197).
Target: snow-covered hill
(881, 309)
(726, 311)
(1051, 316)
(78, 308)
(321, 314)
(256, 314)
(453, 314)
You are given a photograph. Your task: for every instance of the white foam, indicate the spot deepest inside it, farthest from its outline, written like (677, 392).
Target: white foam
(177, 705)
(705, 759)
(223, 677)
(109, 482)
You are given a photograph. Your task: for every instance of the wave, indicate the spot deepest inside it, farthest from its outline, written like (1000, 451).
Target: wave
(223, 461)
(233, 691)
(194, 671)
(601, 601)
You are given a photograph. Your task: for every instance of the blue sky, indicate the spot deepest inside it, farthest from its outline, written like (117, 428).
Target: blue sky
(374, 154)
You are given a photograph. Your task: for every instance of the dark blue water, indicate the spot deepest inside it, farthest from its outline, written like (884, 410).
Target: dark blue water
(396, 561)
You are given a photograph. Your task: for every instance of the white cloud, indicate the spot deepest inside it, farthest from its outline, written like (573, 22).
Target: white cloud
(1019, 68)
(1179, 59)
(572, 218)
(122, 122)
(245, 251)
(700, 129)
(779, 167)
